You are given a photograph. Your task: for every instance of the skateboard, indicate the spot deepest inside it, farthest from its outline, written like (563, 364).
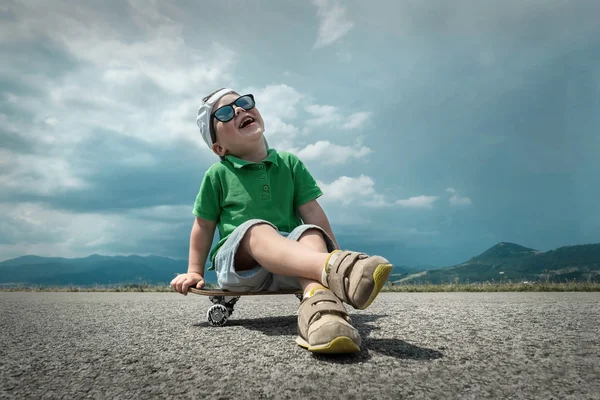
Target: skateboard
(224, 300)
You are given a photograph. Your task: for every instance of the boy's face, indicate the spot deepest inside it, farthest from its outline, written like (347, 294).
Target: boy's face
(237, 137)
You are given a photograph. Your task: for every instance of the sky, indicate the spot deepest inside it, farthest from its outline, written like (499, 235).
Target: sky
(435, 130)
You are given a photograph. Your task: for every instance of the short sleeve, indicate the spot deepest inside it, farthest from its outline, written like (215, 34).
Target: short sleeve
(305, 187)
(207, 204)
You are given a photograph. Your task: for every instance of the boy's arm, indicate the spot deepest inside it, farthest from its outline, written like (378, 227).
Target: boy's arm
(200, 242)
(312, 213)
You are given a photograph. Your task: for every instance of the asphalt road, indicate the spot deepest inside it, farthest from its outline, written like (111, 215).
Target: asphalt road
(417, 345)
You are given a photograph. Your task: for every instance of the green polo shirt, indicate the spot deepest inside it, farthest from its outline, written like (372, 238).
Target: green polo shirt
(234, 191)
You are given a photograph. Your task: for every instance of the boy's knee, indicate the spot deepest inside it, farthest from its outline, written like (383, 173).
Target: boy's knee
(258, 229)
(257, 232)
(312, 234)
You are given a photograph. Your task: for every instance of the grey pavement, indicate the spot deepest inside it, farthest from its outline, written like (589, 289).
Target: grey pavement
(415, 345)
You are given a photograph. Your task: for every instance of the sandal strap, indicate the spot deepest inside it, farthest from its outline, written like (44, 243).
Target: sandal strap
(320, 302)
(340, 267)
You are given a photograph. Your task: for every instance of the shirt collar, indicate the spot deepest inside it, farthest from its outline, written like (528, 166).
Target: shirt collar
(239, 163)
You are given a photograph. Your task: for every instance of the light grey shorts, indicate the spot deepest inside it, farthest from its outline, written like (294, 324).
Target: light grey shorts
(257, 278)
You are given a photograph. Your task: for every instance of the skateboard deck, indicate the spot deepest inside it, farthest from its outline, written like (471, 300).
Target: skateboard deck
(224, 300)
(221, 292)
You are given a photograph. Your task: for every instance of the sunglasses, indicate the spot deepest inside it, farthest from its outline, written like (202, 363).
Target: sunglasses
(227, 112)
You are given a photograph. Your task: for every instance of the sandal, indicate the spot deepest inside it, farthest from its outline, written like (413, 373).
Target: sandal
(324, 325)
(356, 278)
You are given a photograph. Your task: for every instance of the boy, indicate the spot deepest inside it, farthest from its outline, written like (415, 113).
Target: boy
(273, 233)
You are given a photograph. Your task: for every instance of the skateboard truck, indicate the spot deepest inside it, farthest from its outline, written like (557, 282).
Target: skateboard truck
(221, 310)
(223, 302)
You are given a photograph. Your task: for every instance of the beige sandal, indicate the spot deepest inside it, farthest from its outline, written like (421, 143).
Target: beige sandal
(324, 325)
(356, 278)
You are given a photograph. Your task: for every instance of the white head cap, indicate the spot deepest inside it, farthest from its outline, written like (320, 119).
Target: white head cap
(203, 118)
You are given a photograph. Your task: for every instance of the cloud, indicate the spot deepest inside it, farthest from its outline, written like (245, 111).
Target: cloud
(328, 153)
(532, 22)
(135, 75)
(278, 104)
(326, 115)
(36, 174)
(277, 99)
(322, 115)
(105, 172)
(417, 232)
(333, 22)
(101, 116)
(35, 228)
(456, 200)
(355, 120)
(283, 110)
(348, 190)
(158, 52)
(418, 201)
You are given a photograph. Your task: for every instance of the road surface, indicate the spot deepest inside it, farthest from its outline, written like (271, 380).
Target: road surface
(415, 345)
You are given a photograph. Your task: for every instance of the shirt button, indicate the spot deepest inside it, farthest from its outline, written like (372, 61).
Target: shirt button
(265, 188)
(262, 176)
(261, 166)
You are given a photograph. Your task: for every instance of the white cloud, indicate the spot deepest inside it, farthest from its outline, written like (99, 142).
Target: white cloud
(456, 200)
(460, 201)
(120, 76)
(51, 121)
(326, 115)
(35, 228)
(418, 201)
(158, 54)
(333, 22)
(119, 84)
(322, 115)
(148, 88)
(328, 153)
(278, 100)
(348, 190)
(36, 174)
(356, 120)
(278, 104)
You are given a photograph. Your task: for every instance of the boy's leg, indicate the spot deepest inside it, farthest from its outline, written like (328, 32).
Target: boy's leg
(313, 239)
(353, 277)
(327, 329)
(265, 246)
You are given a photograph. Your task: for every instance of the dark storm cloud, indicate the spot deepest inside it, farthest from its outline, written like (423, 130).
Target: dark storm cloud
(172, 176)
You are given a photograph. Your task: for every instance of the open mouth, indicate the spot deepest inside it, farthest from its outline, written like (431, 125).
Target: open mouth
(245, 122)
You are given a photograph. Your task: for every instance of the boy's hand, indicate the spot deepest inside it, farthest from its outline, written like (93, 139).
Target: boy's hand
(182, 282)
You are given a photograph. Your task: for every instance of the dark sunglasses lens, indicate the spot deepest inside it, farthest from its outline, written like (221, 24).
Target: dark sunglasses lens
(246, 102)
(224, 114)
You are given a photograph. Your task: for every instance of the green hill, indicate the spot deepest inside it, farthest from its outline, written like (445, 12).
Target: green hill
(509, 261)
(502, 253)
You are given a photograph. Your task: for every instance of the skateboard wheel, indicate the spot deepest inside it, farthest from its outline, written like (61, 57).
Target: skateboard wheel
(217, 315)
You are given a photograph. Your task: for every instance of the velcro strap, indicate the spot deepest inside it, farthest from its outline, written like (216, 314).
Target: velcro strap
(340, 267)
(347, 262)
(324, 301)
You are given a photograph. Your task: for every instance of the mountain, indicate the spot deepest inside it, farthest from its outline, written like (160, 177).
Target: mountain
(517, 263)
(93, 270)
(401, 271)
(503, 253)
(510, 261)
